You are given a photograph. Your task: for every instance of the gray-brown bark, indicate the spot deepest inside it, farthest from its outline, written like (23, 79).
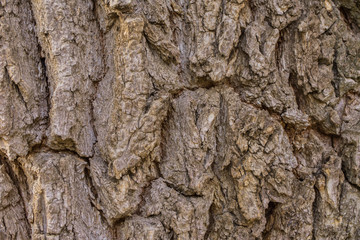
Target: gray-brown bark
(174, 119)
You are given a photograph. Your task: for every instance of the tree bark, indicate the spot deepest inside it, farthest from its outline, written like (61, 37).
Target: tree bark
(174, 119)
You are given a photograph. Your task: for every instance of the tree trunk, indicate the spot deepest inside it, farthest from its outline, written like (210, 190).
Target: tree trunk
(174, 119)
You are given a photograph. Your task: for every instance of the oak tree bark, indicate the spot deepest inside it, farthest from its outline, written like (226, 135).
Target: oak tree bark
(174, 119)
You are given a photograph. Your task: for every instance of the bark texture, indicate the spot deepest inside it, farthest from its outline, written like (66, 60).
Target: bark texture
(176, 119)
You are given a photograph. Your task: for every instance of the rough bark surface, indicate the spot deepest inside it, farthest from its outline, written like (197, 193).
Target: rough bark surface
(175, 119)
